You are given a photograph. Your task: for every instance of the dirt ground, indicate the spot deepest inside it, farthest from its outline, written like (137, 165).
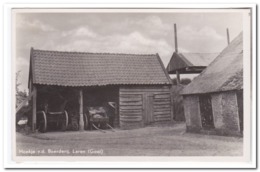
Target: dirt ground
(157, 140)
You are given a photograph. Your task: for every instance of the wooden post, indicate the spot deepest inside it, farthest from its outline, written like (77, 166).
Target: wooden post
(34, 111)
(175, 38)
(178, 78)
(172, 102)
(228, 40)
(81, 120)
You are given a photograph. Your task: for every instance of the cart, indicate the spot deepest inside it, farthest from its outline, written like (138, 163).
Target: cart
(98, 118)
(54, 120)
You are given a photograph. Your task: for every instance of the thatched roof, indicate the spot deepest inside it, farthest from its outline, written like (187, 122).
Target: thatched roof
(96, 69)
(223, 74)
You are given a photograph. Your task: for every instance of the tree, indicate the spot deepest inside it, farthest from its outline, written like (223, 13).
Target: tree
(17, 83)
(20, 95)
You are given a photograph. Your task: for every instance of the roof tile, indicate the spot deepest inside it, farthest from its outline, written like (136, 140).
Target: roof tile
(96, 69)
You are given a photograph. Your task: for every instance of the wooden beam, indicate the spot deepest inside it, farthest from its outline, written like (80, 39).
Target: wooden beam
(34, 111)
(81, 120)
(178, 77)
(175, 38)
(172, 104)
(228, 40)
(194, 69)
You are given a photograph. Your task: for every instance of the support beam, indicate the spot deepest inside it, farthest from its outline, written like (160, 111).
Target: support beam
(175, 38)
(34, 111)
(81, 120)
(172, 104)
(194, 69)
(228, 40)
(178, 77)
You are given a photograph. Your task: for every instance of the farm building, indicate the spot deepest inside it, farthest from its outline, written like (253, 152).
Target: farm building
(74, 81)
(184, 63)
(189, 63)
(213, 101)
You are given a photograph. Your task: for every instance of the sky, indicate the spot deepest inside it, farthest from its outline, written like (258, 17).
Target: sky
(137, 33)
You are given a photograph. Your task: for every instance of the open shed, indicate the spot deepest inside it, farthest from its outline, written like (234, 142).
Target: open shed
(189, 63)
(138, 84)
(213, 101)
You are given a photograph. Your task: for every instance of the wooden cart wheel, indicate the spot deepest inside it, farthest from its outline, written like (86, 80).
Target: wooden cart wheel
(42, 122)
(86, 124)
(65, 121)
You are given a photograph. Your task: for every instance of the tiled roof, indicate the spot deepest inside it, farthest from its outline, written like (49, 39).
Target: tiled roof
(96, 69)
(225, 73)
(182, 60)
(199, 59)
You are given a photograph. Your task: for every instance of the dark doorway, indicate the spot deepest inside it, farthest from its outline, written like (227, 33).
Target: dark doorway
(100, 96)
(240, 109)
(206, 112)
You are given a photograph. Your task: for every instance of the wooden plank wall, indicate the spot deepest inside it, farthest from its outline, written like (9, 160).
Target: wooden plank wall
(162, 107)
(139, 106)
(130, 110)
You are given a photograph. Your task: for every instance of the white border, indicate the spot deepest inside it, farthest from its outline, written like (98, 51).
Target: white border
(167, 164)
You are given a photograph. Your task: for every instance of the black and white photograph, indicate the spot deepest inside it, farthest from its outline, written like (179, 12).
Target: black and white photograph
(144, 83)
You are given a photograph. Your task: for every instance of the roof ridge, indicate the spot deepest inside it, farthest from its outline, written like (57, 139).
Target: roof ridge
(105, 53)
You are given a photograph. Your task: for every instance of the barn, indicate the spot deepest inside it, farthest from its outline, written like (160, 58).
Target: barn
(213, 101)
(137, 83)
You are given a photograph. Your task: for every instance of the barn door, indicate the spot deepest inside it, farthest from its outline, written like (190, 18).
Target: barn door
(148, 108)
(206, 112)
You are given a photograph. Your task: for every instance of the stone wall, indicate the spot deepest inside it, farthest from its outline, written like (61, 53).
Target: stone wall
(225, 113)
(192, 113)
(216, 101)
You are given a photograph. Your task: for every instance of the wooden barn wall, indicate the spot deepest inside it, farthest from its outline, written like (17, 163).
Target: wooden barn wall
(192, 112)
(139, 106)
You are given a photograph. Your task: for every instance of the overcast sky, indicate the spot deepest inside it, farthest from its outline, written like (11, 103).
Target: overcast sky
(138, 33)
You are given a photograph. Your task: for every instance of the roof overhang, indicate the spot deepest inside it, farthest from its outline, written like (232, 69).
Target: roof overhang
(188, 70)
